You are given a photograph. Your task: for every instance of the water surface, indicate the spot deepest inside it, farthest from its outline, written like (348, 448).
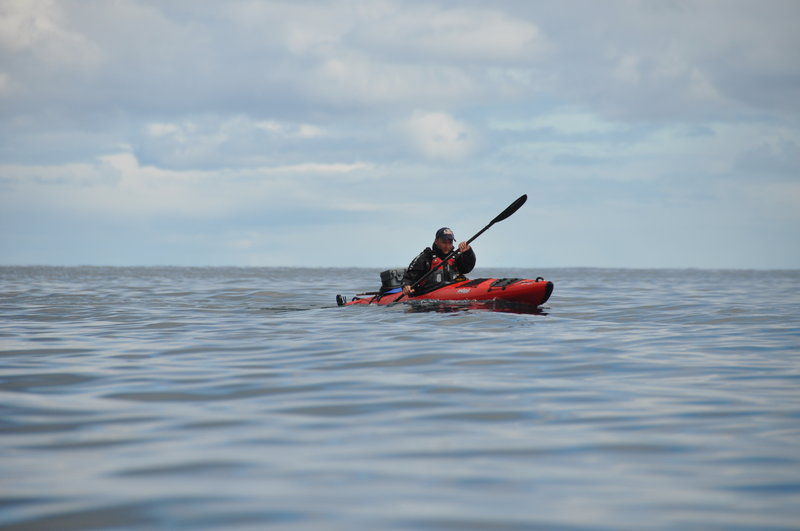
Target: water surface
(244, 398)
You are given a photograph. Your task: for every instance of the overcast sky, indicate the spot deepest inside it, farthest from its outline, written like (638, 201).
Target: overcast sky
(344, 133)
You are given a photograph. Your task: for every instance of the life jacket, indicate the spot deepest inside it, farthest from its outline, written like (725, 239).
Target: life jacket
(450, 265)
(445, 274)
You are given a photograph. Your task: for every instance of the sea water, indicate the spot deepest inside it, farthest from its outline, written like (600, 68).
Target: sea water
(244, 398)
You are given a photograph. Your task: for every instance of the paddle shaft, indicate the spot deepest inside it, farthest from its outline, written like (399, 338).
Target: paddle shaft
(513, 207)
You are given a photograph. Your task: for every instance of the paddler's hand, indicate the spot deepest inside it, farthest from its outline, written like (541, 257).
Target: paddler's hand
(463, 247)
(407, 290)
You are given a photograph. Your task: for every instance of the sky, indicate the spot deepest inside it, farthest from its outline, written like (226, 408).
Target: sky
(344, 133)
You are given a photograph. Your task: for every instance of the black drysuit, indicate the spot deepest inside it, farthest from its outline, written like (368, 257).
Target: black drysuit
(446, 274)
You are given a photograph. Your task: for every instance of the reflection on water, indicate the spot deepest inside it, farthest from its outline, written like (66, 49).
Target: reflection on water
(422, 306)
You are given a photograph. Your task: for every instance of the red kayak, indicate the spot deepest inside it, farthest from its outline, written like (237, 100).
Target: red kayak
(508, 290)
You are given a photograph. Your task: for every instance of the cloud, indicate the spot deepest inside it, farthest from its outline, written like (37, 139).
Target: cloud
(291, 130)
(430, 34)
(250, 117)
(631, 60)
(40, 29)
(778, 156)
(437, 135)
(119, 185)
(224, 141)
(644, 61)
(356, 82)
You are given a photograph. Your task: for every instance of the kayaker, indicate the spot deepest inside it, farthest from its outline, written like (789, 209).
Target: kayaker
(432, 256)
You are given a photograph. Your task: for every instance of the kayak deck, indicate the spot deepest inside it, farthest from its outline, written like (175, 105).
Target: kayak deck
(511, 290)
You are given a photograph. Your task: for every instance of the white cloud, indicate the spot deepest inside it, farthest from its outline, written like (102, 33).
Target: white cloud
(162, 129)
(118, 184)
(298, 27)
(290, 130)
(563, 122)
(430, 33)
(355, 79)
(41, 28)
(642, 60)
(222, 141)
(437, 135)
(310, 168)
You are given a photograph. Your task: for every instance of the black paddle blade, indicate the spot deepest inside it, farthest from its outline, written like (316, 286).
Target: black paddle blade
(513, 207)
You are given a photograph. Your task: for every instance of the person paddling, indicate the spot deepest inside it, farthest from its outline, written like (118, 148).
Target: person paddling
(432, 256)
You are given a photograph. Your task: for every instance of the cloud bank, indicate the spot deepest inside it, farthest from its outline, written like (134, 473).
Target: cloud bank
(304, 133)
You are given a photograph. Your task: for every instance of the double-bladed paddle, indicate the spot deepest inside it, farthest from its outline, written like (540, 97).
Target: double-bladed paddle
(513, 207)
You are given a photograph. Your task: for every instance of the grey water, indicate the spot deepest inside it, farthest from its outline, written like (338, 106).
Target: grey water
(244, 398)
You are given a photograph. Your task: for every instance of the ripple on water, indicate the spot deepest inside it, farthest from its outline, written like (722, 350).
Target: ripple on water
(199, 398)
